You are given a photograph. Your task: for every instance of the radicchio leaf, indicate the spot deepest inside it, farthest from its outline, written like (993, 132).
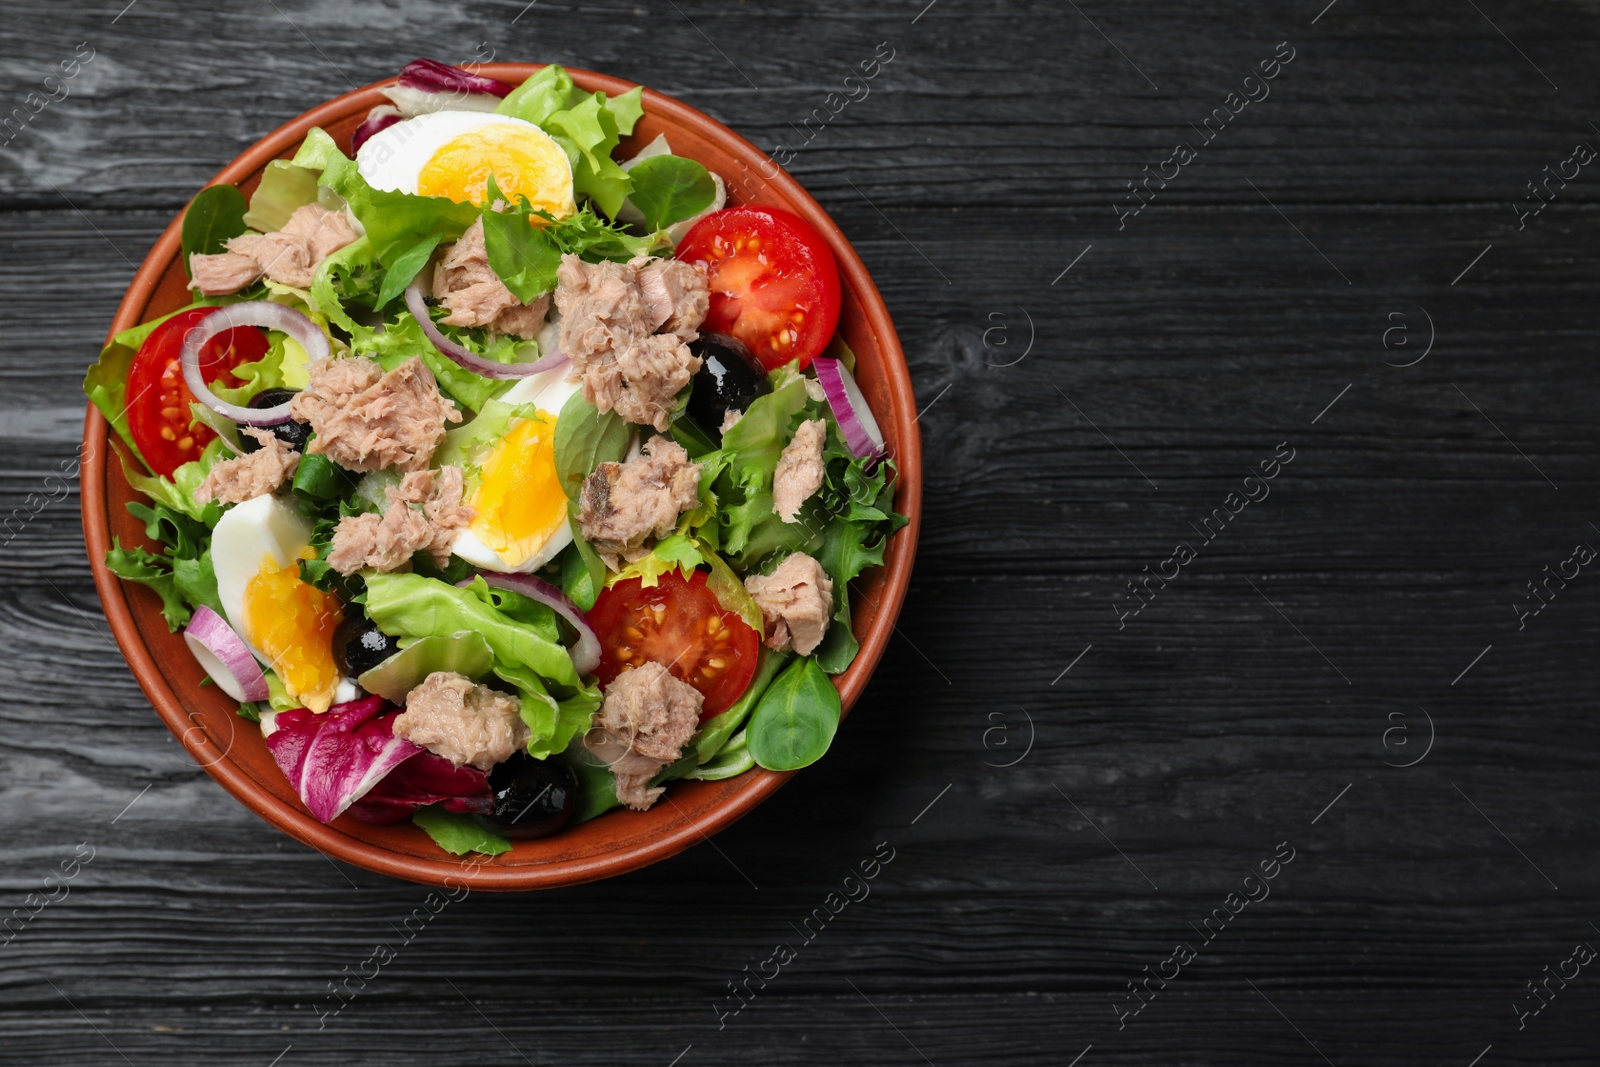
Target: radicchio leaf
(378, 119)
(335, 758)
(433, 76)
(421, 780)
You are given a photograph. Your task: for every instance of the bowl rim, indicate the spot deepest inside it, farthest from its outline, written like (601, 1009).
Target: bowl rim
(447, 870)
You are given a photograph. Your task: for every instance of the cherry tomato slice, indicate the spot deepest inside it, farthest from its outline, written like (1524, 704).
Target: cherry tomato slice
(679, 624)
(774, 282)
(158, 399)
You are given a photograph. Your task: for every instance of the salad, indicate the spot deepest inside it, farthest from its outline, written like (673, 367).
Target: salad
(500, 481)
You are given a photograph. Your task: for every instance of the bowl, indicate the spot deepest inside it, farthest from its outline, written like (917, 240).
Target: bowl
(231, 749)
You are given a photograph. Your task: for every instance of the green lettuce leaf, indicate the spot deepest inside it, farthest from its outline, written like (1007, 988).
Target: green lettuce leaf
(591, 237)
(548, 91)
(318, 151)
(195, 580)
(394, 222)
(290, 184)
(676, 553)
(589, 131)
(459, 834)
(520, 632)
(523, 256)
(350, 274)
(583, 573)
(465, 653)
(154, 572)
(732, 761)
(181, 534)
(284, 188)
(750, 451)
(402, 338)
(466, 445)
(178, 491)
(587, 126)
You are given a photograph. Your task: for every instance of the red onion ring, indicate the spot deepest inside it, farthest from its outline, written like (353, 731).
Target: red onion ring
(850, 408)
(263, 313)
(430, 75)
(224, 655)
(484, 368)
(378, 119)
(586, 653)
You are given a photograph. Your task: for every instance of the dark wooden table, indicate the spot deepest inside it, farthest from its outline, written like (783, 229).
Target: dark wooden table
(1082, 784)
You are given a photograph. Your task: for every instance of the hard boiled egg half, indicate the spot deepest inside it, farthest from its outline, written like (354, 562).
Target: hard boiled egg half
(288, 624)
(453, 153)
(519, 518)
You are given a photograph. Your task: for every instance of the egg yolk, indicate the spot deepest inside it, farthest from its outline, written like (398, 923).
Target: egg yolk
(292, 623)
(519, 503)
(523, 162)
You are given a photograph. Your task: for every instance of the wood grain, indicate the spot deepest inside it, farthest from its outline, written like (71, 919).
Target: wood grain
(1176, 752)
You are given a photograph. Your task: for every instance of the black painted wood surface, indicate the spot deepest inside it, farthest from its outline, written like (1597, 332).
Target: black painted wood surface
(1069, 790)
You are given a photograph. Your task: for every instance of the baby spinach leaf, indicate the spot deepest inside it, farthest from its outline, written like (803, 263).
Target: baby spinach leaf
(729, 763)
(459, 834)
(583, 574)
(597, 789)
(320, 479)
(585, 439)
(716, 734)
(668, 189)
(215, 214)
(795, 720)
(522, 255)
(405, 268)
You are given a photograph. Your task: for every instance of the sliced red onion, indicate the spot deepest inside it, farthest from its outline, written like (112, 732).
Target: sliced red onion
(224, 656)
(479, 365)
(378, 119)
(434, 76)
(860, 429)
(263, 313)
(586, 653)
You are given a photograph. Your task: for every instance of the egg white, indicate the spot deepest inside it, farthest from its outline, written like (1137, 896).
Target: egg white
(550, 391)
(393, 158)
(246, 534)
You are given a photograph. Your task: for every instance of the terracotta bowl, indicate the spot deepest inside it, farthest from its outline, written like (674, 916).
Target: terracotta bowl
(231, 749)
